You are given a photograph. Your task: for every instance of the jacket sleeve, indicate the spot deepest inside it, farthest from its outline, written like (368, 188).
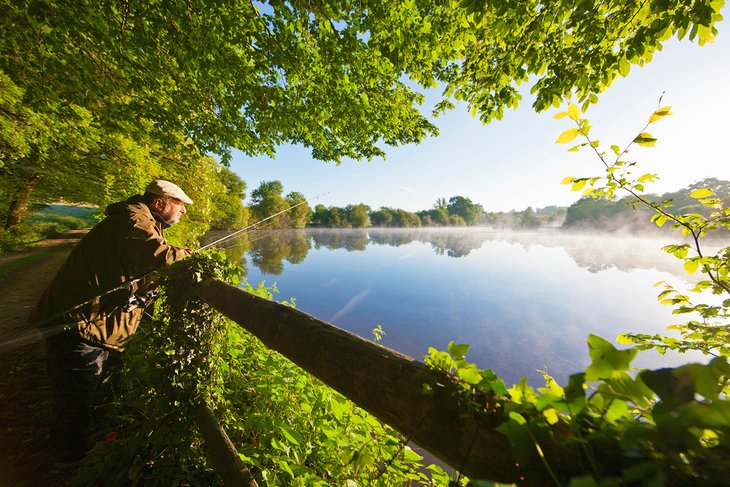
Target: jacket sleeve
(146, 248)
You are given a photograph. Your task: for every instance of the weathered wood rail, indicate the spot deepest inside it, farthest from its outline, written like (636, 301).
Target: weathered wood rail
(387, 384)
(221, 452)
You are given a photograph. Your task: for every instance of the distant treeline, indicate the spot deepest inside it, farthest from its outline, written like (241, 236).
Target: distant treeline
(457, 211)
(621, 215)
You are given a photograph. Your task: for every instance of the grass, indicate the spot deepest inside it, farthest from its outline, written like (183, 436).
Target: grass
(45, 222)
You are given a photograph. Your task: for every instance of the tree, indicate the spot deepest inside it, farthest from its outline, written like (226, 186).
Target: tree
(320, 216)
(439, 214)
(299, 214)
(528, 219)
(465, 208)
(267, 200)
(382, 217)
(229, 209)
(405, 219)
(357, 216)
(709, 333)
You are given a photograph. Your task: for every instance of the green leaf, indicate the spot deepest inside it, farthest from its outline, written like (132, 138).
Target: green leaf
(691, 266)
(624, 67)
(291, 435)
(645, 140)
(560, 115)
(517, 418)
(567, 136)
(518, 433)
(470, 374)
(583, 481)
(567, 180)
(458, 351)
(607, 360)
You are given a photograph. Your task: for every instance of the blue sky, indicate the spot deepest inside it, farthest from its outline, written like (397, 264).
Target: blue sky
(514, 163)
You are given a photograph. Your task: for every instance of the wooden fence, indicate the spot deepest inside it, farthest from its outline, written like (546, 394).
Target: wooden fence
(387, 384)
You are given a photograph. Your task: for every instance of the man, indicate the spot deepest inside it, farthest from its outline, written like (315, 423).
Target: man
(85, 357)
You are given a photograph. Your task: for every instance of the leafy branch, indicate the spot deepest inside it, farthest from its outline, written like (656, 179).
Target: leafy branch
(710, 336)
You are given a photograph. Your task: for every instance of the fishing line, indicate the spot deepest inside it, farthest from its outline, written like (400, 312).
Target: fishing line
(235, 243)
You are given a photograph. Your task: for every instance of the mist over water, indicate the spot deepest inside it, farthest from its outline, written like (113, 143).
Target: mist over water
(524, 301)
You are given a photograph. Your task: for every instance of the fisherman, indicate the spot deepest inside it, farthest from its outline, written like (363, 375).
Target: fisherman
(84, 358)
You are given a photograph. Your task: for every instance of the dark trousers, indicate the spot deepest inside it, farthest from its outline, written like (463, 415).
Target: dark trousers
(84, 377)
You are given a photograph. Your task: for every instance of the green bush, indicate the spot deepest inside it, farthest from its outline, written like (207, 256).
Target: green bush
(289, 428)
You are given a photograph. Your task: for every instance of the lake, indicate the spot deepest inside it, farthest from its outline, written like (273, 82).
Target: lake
(524, 301)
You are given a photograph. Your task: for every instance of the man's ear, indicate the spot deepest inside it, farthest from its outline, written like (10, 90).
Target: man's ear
(157, 204)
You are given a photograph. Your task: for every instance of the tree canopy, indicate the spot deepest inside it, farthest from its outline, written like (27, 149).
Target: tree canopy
(98, 97)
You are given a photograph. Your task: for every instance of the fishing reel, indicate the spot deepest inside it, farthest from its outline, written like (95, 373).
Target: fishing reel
(140, 299)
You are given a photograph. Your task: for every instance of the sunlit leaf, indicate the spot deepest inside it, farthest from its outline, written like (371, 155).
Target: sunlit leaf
(458, 351)
(567, 180)
(470, 374)
(573, 111)
(578, 184)
(645, 140)
(624, 67)
(567, 136)
(691, 266)
(701, 193)
(606, 359)
(660, 113)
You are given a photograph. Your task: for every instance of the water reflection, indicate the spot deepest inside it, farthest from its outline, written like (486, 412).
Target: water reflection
(525, 301)
(269, 252)
(349, 240)
(269, 249)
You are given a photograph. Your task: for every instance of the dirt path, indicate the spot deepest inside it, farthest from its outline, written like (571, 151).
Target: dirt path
(24, 389)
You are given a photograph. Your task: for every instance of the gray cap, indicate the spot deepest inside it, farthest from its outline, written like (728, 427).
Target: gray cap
(160, 187)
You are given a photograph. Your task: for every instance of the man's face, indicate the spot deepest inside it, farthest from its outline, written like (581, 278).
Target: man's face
(171, 210)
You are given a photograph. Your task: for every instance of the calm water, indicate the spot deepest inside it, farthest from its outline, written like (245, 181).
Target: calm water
(524, 301)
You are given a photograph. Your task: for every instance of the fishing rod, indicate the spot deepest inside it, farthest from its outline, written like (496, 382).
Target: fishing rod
(238, 232)
(30, 336)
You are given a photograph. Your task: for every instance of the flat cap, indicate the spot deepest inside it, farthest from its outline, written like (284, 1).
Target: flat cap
(160, 187)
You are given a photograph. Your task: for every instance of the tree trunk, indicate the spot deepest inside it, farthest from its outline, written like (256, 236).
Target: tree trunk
(19, 203)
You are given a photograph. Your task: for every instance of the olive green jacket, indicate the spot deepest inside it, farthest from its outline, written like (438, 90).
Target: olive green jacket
(127, 244)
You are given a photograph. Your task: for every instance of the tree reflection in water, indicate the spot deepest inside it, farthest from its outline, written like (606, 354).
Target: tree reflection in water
(267, 249)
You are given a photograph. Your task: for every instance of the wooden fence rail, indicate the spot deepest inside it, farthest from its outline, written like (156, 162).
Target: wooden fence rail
(221, 452)
(385, 383)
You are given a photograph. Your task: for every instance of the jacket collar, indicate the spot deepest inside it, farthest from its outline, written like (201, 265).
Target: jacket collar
(159, 218)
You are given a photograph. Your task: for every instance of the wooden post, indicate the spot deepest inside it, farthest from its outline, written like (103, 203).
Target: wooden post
(221, 451)
(387, 384)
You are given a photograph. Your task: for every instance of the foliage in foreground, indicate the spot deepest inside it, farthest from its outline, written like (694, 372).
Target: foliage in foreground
(289, 428)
